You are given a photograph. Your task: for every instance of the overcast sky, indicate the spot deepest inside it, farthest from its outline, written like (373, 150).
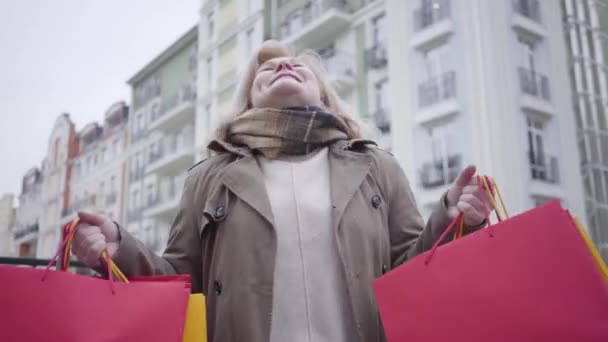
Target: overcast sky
(72, 56)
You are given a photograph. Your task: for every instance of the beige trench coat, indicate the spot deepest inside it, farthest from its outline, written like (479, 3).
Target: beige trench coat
(223, 236)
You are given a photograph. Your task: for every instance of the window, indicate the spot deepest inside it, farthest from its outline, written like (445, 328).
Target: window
(87, 165)
(379, 30)
(209, 72)
(113, 184)
(104, 155)
(102, 189)
(136, 199)
(249, 41)
(137, 161)
(151, 152)
(115, 147)
(445, 163)
(527, 52)
(248, 6)
(141, 122)
(95, 159)
(435, 62)
(151, 194)
(210, 25)
(381, 89)
(536, 148)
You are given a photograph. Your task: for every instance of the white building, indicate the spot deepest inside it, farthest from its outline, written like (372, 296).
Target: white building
(586, 26)
(161, 134)
(484, 83)
(98, 173)
(28, 215)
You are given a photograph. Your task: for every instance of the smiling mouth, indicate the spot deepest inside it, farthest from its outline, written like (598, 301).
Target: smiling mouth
(286, 75)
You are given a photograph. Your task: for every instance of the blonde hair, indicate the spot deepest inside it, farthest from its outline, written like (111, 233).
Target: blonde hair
(273, 49)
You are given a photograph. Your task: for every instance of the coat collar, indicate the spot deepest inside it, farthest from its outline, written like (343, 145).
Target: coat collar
(347, 170)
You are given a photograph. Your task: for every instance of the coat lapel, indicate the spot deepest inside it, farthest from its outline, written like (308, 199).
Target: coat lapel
(347, 171)
(245, 179)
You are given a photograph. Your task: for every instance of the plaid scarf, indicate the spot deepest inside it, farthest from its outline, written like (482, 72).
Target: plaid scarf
(288, 131)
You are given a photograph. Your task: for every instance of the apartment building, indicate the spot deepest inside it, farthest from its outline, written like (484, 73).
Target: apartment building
(28, 215)
(229, 31)
(586, 28)
(161, 135)
(485, 83)
(98, 174)
(56, 174)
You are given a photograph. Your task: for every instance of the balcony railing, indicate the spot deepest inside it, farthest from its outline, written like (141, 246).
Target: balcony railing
(376, 56)
(32, 228)
(382, 120)
(173, 144)
(544, 168)
(308, 12)
(441, 172)
(437, 89)
(431, 12)
(528, 8)
(534, 84)
(185, 94)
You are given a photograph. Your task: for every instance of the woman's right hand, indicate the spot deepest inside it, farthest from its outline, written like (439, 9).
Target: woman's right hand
(94, 234)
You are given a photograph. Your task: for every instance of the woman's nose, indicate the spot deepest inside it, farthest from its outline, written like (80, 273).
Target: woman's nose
(284, 66)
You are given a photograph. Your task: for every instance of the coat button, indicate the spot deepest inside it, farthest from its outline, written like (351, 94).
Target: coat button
(219, 213)
(376, 201)
(218, 287)
(384, 268)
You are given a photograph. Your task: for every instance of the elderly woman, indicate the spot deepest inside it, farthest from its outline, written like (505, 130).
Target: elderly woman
(287, 224)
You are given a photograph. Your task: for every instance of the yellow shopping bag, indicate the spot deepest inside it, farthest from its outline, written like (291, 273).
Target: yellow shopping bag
(196, 319)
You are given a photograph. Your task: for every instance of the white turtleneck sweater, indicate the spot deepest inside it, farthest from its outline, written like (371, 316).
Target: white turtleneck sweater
(310, 302)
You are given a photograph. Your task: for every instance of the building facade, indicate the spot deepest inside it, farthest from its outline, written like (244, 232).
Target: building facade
(56, 175)
(28, 215)
(162, 139)
(99, 168)
(7, 221)
(586, 29)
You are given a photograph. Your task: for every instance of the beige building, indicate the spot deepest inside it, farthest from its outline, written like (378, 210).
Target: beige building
(56, 173)
(97, 181)
(7, 220)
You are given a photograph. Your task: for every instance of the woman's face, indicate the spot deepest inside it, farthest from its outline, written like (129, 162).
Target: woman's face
(285, 82)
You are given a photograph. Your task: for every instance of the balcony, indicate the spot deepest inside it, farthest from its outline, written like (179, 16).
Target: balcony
(26, 233)
(527, 18)
(382, 120)
(432, 24)
(440, 173)
(536, 95)
(376, 56)
(166, 200)
(341, 69)
(176, 154)
(437, 98)
(315, 23)
(176, 111)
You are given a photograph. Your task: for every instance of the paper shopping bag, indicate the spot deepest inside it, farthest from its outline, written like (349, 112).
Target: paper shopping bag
(530, 278)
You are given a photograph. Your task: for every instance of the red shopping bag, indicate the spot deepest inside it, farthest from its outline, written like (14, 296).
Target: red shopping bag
(46, 305)
(527, 278)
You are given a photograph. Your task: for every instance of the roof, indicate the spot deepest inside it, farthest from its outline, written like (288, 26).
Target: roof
(179, 44)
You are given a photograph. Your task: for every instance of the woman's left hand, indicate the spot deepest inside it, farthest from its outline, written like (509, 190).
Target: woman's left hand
(463, 197)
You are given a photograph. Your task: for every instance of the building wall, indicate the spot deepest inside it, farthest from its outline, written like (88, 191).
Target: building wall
(7, 220)
(55, 173)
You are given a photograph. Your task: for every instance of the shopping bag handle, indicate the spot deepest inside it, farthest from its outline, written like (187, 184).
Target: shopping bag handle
(484, 182)
(69, 231)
